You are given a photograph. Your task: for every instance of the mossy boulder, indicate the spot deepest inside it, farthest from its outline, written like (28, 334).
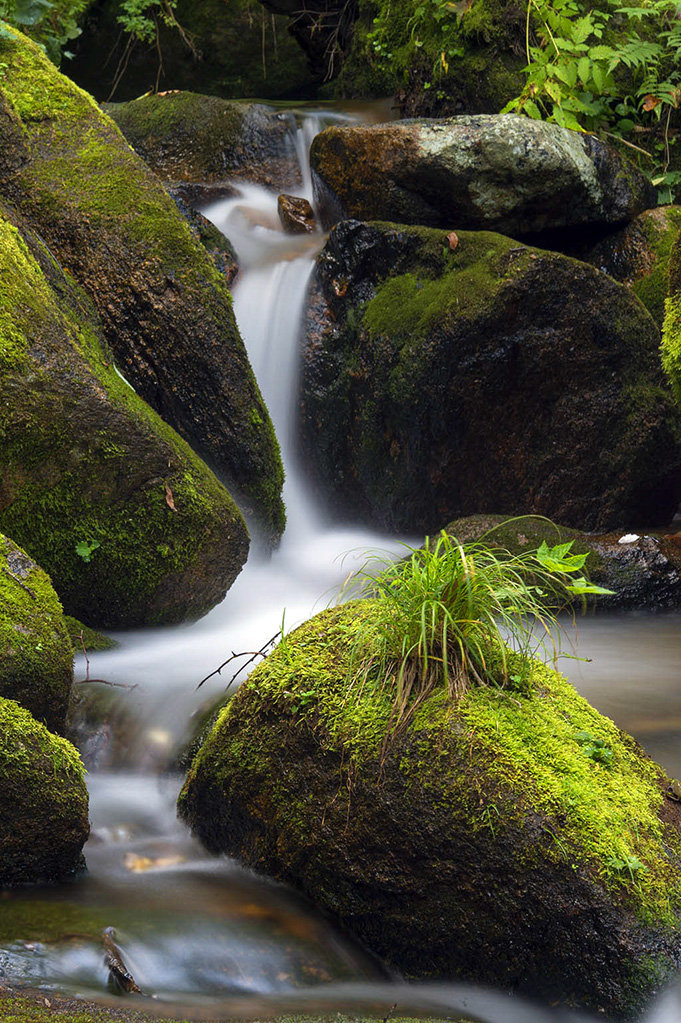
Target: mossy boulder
(43, 801)
(186, 137)
(131, 525)
(499, 173)
(641, 570)
(165, 309)
(238, 50)
(483, 841)
(444, 374)
(36, 656)
(638, 255)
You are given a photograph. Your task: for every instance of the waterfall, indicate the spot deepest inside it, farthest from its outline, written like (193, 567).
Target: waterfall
(192, 927)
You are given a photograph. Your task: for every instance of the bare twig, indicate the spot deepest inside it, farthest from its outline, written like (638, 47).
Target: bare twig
(101, 681)
(17, 580)
(233, 657)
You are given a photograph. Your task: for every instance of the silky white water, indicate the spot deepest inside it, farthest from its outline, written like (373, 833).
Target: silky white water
(201, 930)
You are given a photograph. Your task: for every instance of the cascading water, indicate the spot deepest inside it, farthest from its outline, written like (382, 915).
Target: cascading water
(202, 931)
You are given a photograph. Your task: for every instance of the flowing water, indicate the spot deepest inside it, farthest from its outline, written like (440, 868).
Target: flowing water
(204, 936)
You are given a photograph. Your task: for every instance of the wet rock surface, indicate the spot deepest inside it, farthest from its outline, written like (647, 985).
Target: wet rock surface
(296, 215)
(36, 656)
(183, 136)
(643, 570)
(501, 173)
(437, 382)
(131, 525)
(165, 309)
(638, 255)
(44, 811)
(450, 852)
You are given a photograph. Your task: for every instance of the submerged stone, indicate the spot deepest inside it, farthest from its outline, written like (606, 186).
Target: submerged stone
(500, 173)
(36, 656)
(43, 801)
(514, 838)
(437, 382)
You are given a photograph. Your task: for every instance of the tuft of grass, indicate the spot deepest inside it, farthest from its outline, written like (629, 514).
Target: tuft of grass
(450, 613)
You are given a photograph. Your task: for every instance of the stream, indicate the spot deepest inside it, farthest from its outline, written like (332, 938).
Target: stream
(204, 936)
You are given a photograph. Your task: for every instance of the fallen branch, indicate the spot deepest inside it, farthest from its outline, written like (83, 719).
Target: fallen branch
(18, 581)
(244, 653)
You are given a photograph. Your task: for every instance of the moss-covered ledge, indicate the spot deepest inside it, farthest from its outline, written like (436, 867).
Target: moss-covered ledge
(165, 309)
(488, 843)
(36, 656)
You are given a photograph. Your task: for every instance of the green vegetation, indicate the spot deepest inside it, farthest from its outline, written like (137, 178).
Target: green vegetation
(608, 67)
(36, 658)
(43, 800)
(441, 613)
(52, 23)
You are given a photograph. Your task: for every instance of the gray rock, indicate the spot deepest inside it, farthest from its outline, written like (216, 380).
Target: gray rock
(503, 173)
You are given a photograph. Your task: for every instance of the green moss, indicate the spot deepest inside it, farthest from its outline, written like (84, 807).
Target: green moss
(527, 745)
(67, 481)
(82, 635)
(35, 652)
(671, 343)
(115, 229)
(43, 800)
(470, 63)
(17, 1009)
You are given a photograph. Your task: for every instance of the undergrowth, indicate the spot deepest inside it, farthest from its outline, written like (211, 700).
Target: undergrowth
(450, 613)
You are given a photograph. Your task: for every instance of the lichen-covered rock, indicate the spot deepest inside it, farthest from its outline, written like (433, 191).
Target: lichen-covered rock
(165, 310)
(484, 842)
(43, 801)
(186, 137)
(437, 382)
(641, 570)
(131, 525)
(36, 656)
(500, 173)
(638, 255)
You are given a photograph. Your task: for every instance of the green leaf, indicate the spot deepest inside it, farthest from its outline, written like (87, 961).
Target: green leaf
(584, 70)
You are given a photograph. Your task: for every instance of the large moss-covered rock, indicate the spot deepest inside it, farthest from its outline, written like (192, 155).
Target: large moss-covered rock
(131, 525)
(165, 309)
(36, 656)
(505, 173)
(638, 255)
(485, 841)
(187, 137)
(439, 382)
(239, 50)
(43, 801)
